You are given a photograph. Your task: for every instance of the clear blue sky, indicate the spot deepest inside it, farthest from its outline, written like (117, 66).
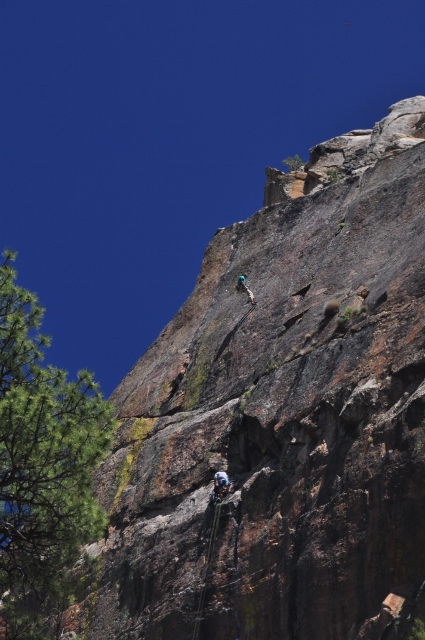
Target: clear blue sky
(132, 129)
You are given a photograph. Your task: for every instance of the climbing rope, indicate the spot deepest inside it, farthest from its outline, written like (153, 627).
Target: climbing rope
(214, 529)
(229, 340)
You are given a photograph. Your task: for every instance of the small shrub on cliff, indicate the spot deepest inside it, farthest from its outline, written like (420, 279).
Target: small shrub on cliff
(345, 316)
(331, 308)
(333, 175)
(293, 164)
(310, 334)
(245, 397)
(271, 366)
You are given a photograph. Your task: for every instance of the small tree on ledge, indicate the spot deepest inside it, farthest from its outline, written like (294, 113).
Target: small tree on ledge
(293, 164)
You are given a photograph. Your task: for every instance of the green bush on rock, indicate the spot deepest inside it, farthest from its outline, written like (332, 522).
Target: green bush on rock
(293, 164)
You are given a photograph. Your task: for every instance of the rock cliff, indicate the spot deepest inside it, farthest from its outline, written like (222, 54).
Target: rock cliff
(313, 401)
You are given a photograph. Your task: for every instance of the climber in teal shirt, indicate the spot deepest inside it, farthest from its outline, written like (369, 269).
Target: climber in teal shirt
(241, 287)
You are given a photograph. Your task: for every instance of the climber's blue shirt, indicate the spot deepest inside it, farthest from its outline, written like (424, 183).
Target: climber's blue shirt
(241, 280)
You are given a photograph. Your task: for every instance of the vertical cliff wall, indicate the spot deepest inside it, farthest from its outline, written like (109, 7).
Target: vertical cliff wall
(314, 402)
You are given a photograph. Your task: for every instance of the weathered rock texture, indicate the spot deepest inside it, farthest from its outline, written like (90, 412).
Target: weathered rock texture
(281, 187)
(351, 153)
(319, 418)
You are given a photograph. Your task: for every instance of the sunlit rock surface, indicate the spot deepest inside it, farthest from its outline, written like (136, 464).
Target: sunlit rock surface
(319, 420)
(351, 153)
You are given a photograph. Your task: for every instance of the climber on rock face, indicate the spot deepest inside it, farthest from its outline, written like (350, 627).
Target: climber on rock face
(241, 287)
(222, 485)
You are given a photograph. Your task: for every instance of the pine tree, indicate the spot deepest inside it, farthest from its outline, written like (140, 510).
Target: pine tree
(294, 164)
(52, 435)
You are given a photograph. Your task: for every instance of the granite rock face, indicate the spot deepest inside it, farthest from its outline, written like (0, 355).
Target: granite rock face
(281, 187)
(319, 419)
(351, 153)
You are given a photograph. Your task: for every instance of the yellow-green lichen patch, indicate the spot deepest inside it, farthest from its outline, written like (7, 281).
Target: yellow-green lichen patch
(250, 611)
(123, 479)
(117, 425)
(139, 431)
(197, 375)
(196, 380)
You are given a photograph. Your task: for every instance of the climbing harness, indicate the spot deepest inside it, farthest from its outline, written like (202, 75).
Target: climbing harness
(214, 529)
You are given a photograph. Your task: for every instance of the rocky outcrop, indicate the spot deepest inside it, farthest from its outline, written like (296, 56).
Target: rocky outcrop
(351, 153)
(319, 418)
(281, 187)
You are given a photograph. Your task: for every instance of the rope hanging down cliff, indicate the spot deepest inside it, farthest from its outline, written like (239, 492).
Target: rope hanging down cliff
(232, 333)
(214, 529)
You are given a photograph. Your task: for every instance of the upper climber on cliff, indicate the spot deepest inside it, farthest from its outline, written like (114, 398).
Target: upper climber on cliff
(242, 287)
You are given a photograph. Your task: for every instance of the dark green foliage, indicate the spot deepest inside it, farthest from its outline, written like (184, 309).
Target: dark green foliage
(21, 619)
(333, 175)
(293, 164)
(345, 317)
(418, 630)
(52, 434)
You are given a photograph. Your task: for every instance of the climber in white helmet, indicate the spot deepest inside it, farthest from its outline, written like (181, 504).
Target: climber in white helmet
(222, 485)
